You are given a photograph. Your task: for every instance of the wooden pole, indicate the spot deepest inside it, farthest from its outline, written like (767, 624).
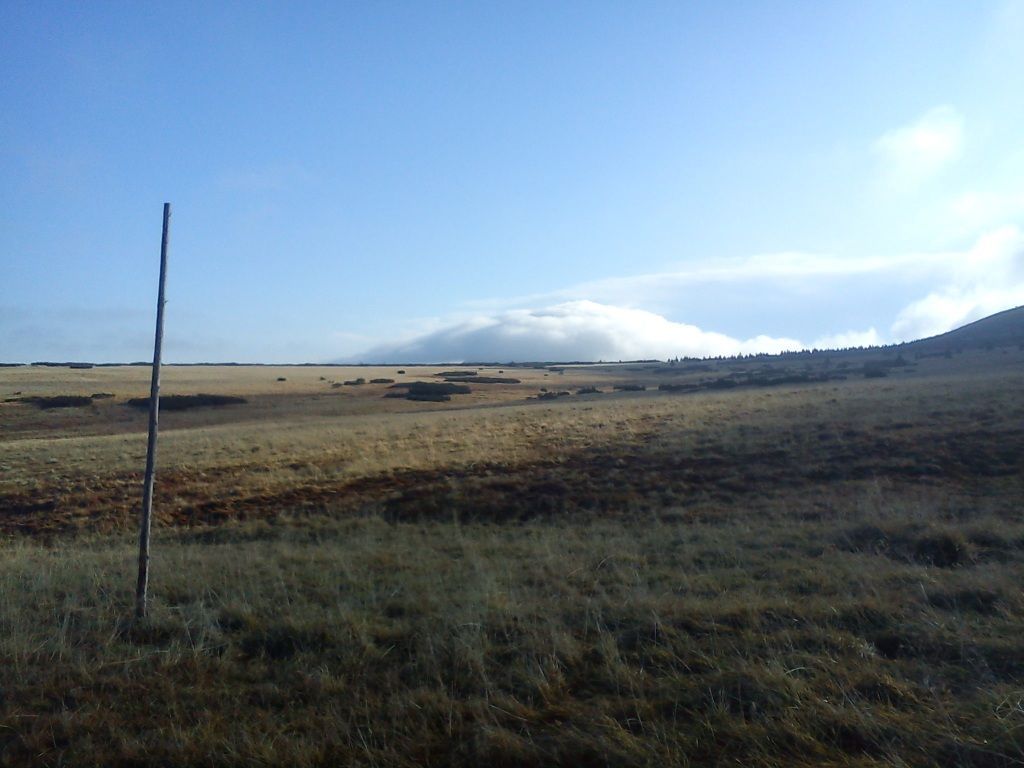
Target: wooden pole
(154, 416)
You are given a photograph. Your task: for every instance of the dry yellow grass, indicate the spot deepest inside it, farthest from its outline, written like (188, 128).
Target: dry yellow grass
(295, 445)
(804, 575)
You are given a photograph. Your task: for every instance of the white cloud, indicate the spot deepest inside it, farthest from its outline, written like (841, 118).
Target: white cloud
(758, 270)
(575, 330)
(914, 153)
(987, 279)
(957, 287)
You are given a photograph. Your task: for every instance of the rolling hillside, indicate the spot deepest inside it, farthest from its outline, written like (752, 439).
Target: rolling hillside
(999, 330)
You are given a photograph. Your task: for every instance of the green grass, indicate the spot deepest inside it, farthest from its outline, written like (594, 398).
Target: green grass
(641, 642)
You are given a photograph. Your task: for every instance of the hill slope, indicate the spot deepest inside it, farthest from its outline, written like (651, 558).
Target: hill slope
(999, 330)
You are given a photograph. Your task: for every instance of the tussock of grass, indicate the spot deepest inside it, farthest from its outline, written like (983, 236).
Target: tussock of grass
(942, 546)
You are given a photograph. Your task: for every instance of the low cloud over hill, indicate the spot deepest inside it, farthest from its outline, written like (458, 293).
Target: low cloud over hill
(956, 287)
(574, 330)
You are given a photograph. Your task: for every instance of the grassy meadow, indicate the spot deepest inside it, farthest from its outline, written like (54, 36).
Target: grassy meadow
(818, 573)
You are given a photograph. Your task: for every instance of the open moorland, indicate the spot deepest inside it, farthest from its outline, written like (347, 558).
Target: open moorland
(811, 559)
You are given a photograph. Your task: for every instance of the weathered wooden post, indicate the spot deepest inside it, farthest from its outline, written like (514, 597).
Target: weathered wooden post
(154, 415)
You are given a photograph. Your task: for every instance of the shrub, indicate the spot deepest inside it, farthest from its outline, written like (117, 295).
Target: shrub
(678, 387)
(429, 391)
(184, 402)
(545, 395)
(435, 388)
(875, 371)
(59, 401)
(721, 384)
(482, 379)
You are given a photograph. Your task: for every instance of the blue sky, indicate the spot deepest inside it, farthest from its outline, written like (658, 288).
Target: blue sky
(425, 181)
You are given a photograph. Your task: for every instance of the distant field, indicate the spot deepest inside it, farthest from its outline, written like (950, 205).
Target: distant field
(777, 562)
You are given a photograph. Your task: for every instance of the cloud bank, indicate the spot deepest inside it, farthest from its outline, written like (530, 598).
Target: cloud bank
(971, 284)
(574, 330)
(711, 307)
(987, 279)
(830, 301)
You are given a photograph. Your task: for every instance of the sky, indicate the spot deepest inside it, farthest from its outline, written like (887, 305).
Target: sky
(421, 182)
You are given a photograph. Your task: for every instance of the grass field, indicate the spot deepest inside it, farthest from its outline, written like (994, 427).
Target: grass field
(822, 573)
